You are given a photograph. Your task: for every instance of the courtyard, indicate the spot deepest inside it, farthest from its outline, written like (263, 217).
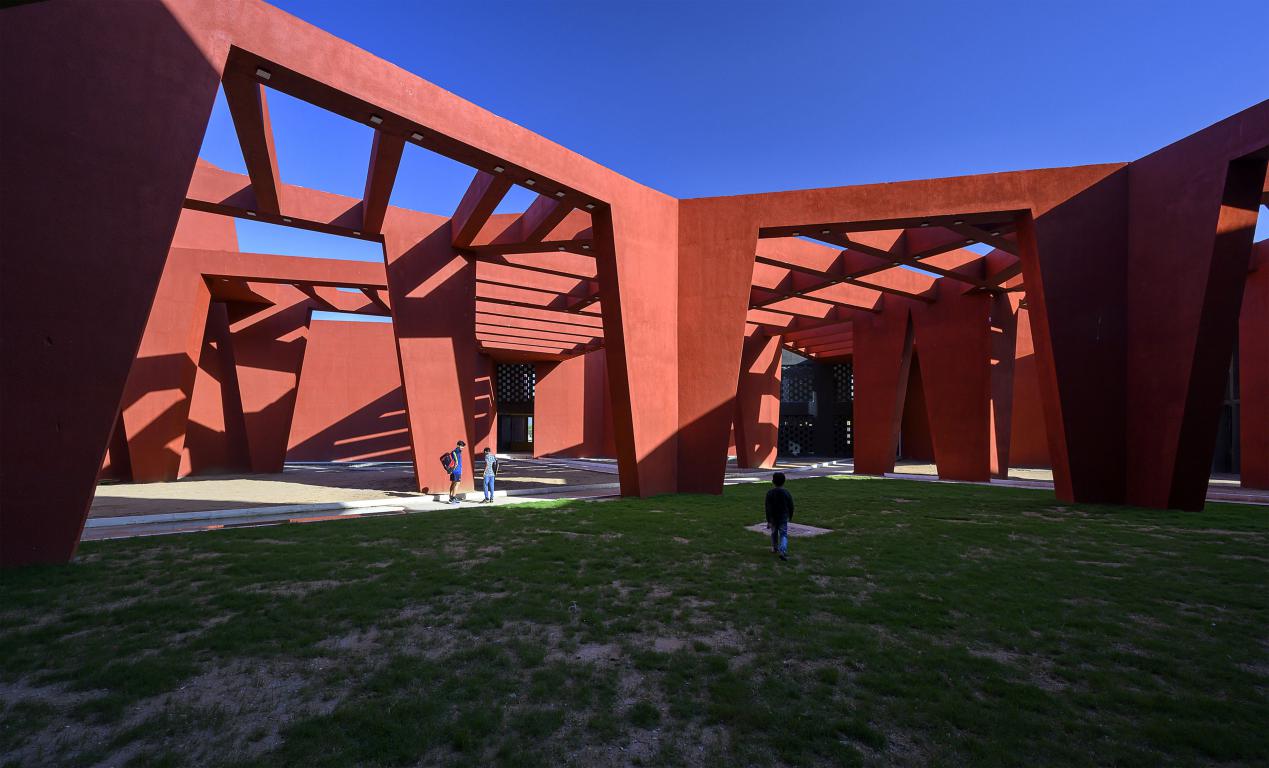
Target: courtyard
(936, 624)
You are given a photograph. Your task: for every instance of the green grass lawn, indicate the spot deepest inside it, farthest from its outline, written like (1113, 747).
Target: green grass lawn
(938, 625)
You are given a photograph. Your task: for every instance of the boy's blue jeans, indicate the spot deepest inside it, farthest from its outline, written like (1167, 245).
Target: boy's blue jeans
(780, 537)
(489, 487)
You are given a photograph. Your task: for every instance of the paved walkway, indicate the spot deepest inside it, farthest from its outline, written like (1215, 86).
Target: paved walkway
(318, 483)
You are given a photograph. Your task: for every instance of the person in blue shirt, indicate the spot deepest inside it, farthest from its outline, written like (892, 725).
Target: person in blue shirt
(491, 469)
(456, 474)
(779, 504)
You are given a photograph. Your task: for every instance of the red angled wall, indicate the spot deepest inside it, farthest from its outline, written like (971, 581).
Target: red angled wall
(1253, 359)
(349, 405)
(572, 415)
(1028, 446)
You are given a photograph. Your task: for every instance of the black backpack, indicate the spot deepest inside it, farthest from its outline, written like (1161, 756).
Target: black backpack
(447, 461)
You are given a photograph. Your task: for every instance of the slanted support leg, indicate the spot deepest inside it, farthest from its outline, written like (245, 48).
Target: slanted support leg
(433, 294)
(757, 412)
(104, 110)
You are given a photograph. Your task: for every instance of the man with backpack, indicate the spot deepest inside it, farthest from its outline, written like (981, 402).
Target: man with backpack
(452, 462)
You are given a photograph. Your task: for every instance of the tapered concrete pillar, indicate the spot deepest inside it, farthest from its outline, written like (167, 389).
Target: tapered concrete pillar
(485, 407)
(160, 387)
(598, 436)
(953, 339)
(757, 411)
(1004, 346)
(104, 110)
(268, 346)
(215, 433)
(1193, 220)
(716, 261)
(1134, 286)
(637, 263)
(1253, 370)
(883, 355)
(433, 295)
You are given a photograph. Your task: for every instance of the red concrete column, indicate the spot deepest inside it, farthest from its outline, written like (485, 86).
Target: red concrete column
(559, 414)
(104, 110)
(161, 384)
(1253, 369)
(268, 346)
(156, 401)
(716, 260)
(757, 411)
(1028, 444)
(118, 465)
(637, 263)
(349, 405)
(485, 408)
(597, 430)
(916, 442)
(215, 435)
(953, 341)
(1077, 325)
(883, 354)
(1004, 346)
(1133, 285)
(1193, 218)
(433, 295)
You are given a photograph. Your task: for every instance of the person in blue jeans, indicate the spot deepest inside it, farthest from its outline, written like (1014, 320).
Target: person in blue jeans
(491, 469)
(779, 504)
(456, 474)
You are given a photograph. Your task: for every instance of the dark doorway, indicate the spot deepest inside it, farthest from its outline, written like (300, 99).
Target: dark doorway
(1226, 459)
(516, 383)
(816, 408)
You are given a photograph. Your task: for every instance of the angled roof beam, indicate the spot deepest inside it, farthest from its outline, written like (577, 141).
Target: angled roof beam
(506, 321)
(381, 175)
(898, 256)
(584, 289)
(876, 281)
(821, 345)
(822, 332)
(794, 324)
(479, 201)
(542, 336)
(532, 226)
(550, 307)
(581, 245)
(379, 298)
(764, 298)
(250, 112)
(997, 237)
(503, 308)
(551, 267)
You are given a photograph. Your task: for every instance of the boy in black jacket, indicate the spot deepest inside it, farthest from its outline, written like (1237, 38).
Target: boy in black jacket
(779, 512)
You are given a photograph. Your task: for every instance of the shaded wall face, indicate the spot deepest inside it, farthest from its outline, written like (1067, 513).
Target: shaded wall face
(1253, 374)
(571, 416)
(215, 433)
(349, 406)
(1029, 445)
(917, 444)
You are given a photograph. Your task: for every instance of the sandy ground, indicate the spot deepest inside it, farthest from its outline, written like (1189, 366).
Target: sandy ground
(315, 484)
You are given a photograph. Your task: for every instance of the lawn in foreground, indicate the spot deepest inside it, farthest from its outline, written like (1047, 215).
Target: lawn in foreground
(938, 624)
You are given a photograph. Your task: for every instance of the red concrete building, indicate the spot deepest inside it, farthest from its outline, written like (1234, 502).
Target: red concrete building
(1095, 336)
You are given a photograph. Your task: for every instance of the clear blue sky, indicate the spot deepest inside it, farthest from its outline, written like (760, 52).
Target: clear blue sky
(714, 98)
